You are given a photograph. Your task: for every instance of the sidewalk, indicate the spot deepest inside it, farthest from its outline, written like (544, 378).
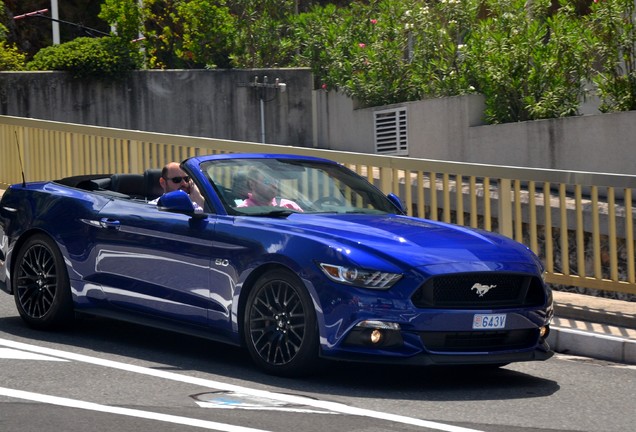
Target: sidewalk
(590, 326)
(594, 327)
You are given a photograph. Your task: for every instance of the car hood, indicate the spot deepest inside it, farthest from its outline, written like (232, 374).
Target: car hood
(416, 242)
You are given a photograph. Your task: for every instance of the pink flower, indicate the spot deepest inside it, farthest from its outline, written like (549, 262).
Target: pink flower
(361, 45)
(374, 21)
(324, 86)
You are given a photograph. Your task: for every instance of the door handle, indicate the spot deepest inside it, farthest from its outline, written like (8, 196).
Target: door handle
(109, 223)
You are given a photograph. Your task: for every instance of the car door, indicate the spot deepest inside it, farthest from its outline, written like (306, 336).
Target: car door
(156, 262)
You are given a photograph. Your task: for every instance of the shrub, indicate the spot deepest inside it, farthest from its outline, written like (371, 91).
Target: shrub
(187, 34)
(107, 57)
(207, 34)
(11, 59)
(529, 61)
(388, 51)
(614, 25)
(264, 33)
(124, 16)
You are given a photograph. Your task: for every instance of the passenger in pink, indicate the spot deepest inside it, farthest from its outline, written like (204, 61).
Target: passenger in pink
(264, 189)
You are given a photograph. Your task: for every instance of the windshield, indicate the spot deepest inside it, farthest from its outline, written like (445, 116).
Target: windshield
(282, 186)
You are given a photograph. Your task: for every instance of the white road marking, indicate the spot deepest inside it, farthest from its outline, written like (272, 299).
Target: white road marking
(73, 403)
(13, 354)
(206, 383)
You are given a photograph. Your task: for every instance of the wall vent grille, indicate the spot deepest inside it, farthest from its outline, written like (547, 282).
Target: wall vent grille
(390, 132)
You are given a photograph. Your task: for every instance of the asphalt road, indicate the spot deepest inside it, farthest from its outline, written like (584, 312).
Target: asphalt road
(109, 376)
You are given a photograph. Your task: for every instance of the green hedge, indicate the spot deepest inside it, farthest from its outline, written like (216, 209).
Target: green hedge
(107, 57)
(11, 59)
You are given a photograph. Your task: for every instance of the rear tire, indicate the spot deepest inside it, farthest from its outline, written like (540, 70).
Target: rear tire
(279, 325)
(41, 285)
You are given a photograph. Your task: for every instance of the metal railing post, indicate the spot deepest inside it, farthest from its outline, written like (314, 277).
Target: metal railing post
(505, 208)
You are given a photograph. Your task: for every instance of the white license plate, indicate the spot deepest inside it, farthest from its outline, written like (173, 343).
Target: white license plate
(489, 321)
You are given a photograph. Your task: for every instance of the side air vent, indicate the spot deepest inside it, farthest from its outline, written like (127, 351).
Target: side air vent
(390, 131)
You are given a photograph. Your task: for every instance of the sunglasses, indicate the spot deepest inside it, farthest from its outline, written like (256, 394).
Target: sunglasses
(178, 179)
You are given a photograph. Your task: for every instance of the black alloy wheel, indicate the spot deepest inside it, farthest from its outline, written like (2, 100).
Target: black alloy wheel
(280, 325)
(41, 286)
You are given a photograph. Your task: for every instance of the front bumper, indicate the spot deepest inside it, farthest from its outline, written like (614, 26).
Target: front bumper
(539, 353)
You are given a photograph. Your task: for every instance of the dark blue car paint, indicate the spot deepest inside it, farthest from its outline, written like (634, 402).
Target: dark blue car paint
(130, 259)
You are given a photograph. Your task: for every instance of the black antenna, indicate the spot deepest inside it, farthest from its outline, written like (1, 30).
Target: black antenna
(17, 143)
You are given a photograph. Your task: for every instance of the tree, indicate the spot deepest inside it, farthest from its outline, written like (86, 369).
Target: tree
(529, 61)
(124, 16)
(264, 30)
(208, 33)
(187, 34)
(613, 23)
(34, 33)
(10, 57)
(388, 51)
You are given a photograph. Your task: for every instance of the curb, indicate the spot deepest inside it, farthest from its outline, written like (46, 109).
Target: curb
(594, 345)
(582, 307)
(594, 327)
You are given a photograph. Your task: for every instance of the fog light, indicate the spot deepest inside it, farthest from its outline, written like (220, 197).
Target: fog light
(544, 331)
(376, 336)
(381, 335)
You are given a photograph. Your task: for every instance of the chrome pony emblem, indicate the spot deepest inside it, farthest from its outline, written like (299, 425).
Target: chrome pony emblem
(482, 289)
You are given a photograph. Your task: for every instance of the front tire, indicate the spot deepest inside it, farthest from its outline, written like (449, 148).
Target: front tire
(279, 325)
(41, 285)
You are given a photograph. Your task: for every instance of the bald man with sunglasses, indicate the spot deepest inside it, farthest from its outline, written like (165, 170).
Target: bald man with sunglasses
(174, 178)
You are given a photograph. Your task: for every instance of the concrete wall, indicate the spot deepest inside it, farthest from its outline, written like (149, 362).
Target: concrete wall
(601, 143)
(209, 103)
(219, 104)
(342, 127)
(452, 129)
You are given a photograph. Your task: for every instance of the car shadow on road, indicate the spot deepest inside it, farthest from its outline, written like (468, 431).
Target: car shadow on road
(163, 350)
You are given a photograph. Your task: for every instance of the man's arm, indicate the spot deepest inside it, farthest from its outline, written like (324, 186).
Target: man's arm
(195, 194)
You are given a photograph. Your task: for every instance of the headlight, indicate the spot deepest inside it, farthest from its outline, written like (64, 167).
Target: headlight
(359, 277)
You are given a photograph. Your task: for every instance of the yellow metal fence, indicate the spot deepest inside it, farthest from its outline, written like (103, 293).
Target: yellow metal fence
(581, 224)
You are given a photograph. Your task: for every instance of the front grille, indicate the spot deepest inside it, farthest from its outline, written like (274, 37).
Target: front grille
(480, 291)
(479, 341)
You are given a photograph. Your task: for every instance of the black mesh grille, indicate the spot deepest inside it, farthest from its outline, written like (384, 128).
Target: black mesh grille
(478, 341)
(480, 291)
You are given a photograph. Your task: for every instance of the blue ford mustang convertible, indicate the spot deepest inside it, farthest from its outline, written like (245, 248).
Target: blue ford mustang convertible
(298, 259)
